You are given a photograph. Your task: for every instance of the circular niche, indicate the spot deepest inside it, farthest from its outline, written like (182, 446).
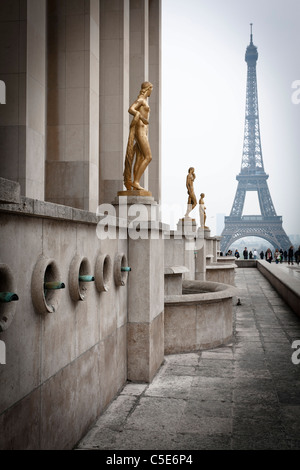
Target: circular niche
(8, 297)
(45, 286)
(80, 278)
(103, 272)
(121, 270)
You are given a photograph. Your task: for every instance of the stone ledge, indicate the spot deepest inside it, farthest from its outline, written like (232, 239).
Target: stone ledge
(246, 263)
(219, 266)
(9, 191)
(50, 210)
(176, 270)
(203, 291)
(287, 286)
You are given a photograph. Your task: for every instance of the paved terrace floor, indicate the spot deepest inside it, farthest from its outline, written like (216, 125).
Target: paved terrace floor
(243, 396)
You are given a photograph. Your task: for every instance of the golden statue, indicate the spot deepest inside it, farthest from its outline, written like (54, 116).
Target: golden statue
(192, 200)
(202, 212)
(138, 143)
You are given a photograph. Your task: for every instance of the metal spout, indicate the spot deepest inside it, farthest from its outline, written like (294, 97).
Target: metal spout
(6, 297)
(86, 278)
(54, 285)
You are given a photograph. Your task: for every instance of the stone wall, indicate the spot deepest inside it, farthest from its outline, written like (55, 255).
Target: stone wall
(62, 368)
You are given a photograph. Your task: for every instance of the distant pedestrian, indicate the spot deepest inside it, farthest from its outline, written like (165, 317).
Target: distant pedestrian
(255, 254)
(277, 256)
(269, 256)
(291, 255)
(281, 255)
(236, 254)
(297, 255)
(261, 254)
(285, 255)
(250, 255)
(245, 253)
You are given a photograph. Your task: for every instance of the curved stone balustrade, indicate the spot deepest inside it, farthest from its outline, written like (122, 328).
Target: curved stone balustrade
(199, 318)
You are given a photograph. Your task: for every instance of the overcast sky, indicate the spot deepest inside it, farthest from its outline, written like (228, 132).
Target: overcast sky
(203, 103)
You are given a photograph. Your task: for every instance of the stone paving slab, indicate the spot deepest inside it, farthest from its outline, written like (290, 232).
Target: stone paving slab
(245, 396)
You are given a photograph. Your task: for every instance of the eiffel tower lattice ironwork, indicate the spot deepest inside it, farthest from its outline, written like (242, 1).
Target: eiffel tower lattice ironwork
(252, 177)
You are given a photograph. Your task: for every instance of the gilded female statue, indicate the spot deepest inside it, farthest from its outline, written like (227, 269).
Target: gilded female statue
(202, 212)
(192, 200)
(138, 143)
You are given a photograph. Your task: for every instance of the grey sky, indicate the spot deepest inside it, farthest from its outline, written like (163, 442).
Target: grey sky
(203, 96)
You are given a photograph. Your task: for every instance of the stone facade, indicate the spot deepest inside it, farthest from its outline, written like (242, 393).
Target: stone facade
(89, 311)
(71, 68)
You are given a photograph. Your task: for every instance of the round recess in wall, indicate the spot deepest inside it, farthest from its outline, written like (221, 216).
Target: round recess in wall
(121, 269)
(103, 272)
(80, 278)
(8, 297)
(45, 285)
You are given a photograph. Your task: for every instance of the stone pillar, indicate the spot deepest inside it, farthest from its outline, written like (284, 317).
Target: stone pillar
(22, 119)
(155, 104)
(72, 166)
(215, 249)
(146, 303)
(201, 249)
(180, 250)
(114, 95)
(139, 57)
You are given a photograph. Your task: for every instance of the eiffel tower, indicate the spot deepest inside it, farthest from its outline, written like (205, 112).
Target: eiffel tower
(252, 177)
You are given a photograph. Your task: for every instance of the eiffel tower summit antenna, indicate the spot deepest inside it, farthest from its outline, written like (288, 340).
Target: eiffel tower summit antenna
(252, 176)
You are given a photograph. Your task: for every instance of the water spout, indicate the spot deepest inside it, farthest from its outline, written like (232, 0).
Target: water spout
(6, 297)
(86, 278)
(54, 285)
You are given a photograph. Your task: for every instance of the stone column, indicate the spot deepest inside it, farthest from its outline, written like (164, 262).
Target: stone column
(200, 269)
(146, 303)
(139, 57)
(23, 69)
(215, 249)
(72, 166)
(114, 95)
(180, 250)
(155, 104)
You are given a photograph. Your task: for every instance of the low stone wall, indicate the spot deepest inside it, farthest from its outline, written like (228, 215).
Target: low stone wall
(196, 320)
(66, 364)
(286, 285)
(226, 259)
(82, 325)
(246, 263)
(223, 273)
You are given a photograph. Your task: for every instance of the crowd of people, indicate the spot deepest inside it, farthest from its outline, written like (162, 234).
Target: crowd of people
(278, 256)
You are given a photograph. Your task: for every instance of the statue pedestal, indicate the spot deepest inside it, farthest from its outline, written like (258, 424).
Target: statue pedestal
(145, 301)
(187, 224)
(135, 193)
(134, 206)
